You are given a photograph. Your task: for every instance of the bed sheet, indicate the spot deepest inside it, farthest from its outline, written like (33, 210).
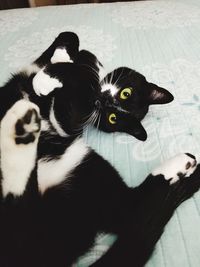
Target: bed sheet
(159, 39)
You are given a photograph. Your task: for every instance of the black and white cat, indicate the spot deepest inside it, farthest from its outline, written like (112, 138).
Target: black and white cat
(57, 193)
(124, 95)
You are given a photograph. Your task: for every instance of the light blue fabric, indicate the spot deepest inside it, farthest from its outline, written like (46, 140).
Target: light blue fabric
(161, 39)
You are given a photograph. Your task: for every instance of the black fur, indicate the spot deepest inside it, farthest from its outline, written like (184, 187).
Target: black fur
(143, 95)
(69, 101)
(69, 40)
(56, 227)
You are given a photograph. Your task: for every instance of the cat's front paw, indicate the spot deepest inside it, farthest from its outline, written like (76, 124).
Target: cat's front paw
(21, 124)
(43, 83)
(19, 134)
(182, 165)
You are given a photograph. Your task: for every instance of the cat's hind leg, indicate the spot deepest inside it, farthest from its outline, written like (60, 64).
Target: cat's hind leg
(64, 49)
(156, 199)
(19, 133)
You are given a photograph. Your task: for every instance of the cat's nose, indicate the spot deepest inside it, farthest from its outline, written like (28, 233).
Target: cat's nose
(116, 102)
(107, 103)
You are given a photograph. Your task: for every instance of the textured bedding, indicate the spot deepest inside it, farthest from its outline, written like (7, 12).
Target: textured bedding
(161, 39)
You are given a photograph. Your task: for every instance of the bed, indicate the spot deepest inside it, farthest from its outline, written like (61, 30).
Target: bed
(161, 40)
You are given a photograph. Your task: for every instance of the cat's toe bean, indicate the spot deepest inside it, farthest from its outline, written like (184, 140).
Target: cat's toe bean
(174, 169)
(28, 127)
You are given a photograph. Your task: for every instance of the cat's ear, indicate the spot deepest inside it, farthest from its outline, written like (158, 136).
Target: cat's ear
(158, 95)
(137, 131)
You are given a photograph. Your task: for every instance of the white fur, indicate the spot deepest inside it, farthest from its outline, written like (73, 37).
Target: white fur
(45, 126)
(30, 69)
(43, 84)
(25, 95)
(170, 168)
(55, 123)
(60, 55)
(110, 87)
(54, 172)
(17, 160)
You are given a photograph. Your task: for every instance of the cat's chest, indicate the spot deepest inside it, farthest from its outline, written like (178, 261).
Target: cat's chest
(57, 170)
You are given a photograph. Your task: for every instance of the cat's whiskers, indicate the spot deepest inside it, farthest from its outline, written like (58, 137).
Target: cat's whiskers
(94, 118)
(90, 121)
(82, 125)
(98, 121)
(111, 77)
(119, 77)
(93, 71)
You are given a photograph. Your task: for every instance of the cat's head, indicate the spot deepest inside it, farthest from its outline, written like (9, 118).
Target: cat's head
(128, 90)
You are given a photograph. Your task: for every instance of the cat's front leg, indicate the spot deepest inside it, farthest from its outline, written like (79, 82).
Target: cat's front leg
(19, 133)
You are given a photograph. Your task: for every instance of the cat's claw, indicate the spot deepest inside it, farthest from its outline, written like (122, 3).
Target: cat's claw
(182, 165)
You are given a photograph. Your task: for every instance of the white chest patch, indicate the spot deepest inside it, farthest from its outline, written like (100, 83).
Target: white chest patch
(110, 87)
(60, 55)
(55, 123)
(43, 84)
(54, 172)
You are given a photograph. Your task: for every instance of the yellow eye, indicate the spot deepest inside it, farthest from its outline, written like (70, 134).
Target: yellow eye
(112, 118)
(126, 93)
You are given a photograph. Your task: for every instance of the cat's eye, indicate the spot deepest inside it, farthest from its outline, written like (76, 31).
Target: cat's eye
(126, 93)
(112, 118)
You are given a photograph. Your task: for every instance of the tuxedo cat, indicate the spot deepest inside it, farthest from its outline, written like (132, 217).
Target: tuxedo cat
(124, 95)
(57, 193)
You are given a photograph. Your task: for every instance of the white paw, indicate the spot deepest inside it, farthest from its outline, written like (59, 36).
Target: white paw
(182, 165)
(60, 55)
(21, 121)
(19, 134)
(43, 83)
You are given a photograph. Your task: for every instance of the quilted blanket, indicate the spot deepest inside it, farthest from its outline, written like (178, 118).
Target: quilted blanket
(160, 39)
